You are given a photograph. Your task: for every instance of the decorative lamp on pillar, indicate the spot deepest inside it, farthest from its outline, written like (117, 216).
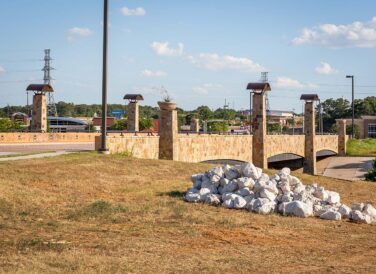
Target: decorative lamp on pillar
(39, 113)
(310, 133)
(259, 91)
(133, 111)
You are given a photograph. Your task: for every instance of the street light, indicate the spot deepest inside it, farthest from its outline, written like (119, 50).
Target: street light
(103, 147)
(352, 104)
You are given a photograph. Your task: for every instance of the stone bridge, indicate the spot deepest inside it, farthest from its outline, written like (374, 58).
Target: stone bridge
(170, 145)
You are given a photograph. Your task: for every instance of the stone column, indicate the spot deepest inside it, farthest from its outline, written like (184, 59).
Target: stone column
(133, 117)
(195, 125)
(310, 139)
(341, 124)
(168, 131)
(39, 120)
(259, 130)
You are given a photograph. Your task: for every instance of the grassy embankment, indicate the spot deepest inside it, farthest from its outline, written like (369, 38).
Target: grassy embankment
(91, 213)
(361, 147)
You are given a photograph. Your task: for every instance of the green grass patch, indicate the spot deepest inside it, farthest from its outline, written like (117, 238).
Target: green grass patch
(361, 147)
(98, 209)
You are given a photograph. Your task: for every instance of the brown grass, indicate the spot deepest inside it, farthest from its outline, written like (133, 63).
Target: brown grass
(111, 214)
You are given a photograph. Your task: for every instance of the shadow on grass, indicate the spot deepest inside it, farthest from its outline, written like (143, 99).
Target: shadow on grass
(173, 194)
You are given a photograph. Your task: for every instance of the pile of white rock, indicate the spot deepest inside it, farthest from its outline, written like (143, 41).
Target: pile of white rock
(246, 187)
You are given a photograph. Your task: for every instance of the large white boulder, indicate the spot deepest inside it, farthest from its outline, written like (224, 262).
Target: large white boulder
(230, 187)
(285, 171)
(245, 182)
(285, 187)
(360, 217)
(192, 197)
(298, 209)
(331, 215)
(333, 197)
(239, 202)
(345, 211)
(213, 199)
(244, 192)
(196, 180)
(321, 193)
(228, 204)
(230, 172)
(265, 193)
(369, 210)
(249, 170)
(261, 206)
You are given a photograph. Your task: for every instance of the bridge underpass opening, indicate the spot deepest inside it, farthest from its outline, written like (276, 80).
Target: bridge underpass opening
(290, 160)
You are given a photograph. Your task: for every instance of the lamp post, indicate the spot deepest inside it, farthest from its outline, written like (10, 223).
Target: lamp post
(103, 147)
(352, 104)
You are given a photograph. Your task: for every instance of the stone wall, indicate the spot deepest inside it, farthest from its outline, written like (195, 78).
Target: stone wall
(327, 142)
(139, 146)
(21, 137)
(279, 144)
(199, 148)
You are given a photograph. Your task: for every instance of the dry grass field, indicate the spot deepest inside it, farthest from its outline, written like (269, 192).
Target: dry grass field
(88, 213)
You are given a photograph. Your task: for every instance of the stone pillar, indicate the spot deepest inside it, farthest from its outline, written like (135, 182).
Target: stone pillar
(39, 120)
(168, 131)
(195, 125)
(259, 130)
(341, 124)
(310, 139)
(133, 117)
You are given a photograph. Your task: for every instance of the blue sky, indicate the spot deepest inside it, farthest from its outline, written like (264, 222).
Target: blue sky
(202, 52)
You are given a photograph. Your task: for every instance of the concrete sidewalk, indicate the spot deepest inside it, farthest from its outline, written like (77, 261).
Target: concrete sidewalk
(34, 156)
(348, 168)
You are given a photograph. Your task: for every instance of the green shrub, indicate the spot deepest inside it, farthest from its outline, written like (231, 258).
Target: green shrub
(371, 175)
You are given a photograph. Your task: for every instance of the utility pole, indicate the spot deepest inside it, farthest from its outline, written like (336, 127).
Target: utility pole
(103, 147)
(352, 105)
(51, 107)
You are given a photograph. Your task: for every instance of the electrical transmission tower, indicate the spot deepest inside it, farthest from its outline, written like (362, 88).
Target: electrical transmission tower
(51, 107)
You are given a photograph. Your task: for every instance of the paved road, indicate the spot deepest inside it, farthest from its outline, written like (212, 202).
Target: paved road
(348, 168)
(40, 147)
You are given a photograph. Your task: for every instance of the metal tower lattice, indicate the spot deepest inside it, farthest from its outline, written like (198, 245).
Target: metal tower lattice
(51, 106)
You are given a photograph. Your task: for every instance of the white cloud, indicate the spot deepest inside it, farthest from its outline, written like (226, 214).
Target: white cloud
(356, 34)
(215, 62)
(325, 68)
(150, 73)
(133, 12)
(162, 48)
(2, 70)
(206, 88)
(77, 32)
(288, 83)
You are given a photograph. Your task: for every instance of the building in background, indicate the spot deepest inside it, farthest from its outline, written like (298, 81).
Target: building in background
(366, 125)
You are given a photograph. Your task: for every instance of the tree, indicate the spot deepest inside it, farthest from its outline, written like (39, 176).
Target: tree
(218, 127)
(145, 123)
(7, 125)
(334, 109)
(274, 128)
(119, 125)
(204, 113)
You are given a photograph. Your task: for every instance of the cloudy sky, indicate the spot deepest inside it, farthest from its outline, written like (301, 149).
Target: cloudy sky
(202, 52)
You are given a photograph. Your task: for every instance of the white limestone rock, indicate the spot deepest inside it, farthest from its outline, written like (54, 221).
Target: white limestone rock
(265, 193)
(333, 197)
(261, 206)
(293, 180)
(245, 182)
(228, 203)
(331, 215)
(224, 181)
(244, 192)
(285, 187)
(298, 209)
(298, 188)
(321, 193)
(239, 202)
(230, 172)
(285, 171)
(230, 187)
(209, 185)
(249, 198)
(213, 199)
(345, 211)
(193, 190)
(275, 177)
(204, 192)
(192, 197)
(228, 196)
(360, 217)
(369, 210)
(251, 171)
(196, 180)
